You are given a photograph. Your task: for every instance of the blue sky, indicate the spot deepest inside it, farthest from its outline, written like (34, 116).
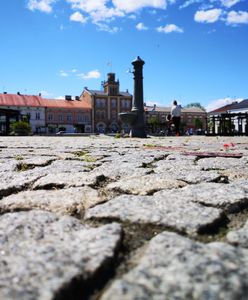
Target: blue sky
(194, 50)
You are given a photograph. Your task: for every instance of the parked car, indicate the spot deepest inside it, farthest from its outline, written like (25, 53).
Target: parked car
(61, 132)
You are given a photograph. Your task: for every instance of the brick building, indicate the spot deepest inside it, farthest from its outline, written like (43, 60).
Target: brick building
(107, 104)
(46, 115)
(192, 119)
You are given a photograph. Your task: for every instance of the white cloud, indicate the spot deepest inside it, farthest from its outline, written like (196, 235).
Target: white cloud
(78, 17)
(169, 28)
(229, 3)
(94, 74)
(208, 16)
(188, 3)
(141, 26)
(221, 102)
(41, 5)
(63, 74)
(74, 70)
(240, 17)
(107, 28)
(134, 5)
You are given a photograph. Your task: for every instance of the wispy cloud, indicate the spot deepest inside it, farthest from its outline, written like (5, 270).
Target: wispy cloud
(132, 6)
(41, 5)
(169, 28)
(63, 73)
(94, 74)
(78, 17)
(189, 2)
(141, 26)
(208, 16)
(229, 3)
(234, 17)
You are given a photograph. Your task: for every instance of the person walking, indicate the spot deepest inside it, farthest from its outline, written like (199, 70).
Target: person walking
(176, 116)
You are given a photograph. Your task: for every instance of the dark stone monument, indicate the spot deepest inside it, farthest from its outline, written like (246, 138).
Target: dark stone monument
(135, 118)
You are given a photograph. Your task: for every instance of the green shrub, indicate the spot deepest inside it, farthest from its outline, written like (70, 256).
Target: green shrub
(21, 128)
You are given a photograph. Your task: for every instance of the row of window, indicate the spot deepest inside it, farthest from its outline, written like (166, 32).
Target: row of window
(125, 103)
(61, 118)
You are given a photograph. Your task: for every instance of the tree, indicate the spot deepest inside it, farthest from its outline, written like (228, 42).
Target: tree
(153, 122)
(21, 128)
(195, 104)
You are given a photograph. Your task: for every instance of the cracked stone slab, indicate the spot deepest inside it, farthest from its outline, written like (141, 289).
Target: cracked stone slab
(221, 163)
(67, 180)
(239, 237)
(12, 182)
(174, 267)
(175, 213)
(234, 174)
(43, 253)
(116, 169)
(72, 201)
(145, 185)
(230, 197)
(190, 175)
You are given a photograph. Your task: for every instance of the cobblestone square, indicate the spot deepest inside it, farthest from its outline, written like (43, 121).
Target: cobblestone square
(100, 217)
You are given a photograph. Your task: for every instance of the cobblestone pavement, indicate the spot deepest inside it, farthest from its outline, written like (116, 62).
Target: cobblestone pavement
(104, 218)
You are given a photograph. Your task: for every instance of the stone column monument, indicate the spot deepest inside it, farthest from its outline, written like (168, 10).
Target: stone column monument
(135, 118)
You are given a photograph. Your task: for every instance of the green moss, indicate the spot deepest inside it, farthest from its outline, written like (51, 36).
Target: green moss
(18, 157)
(23, 167)
(88, 158)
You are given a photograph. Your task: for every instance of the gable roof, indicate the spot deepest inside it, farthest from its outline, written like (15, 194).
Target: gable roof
(240, 105)
(222, 109)
(38, 101)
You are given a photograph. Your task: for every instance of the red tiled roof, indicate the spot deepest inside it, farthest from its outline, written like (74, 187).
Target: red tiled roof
(37, 101)
(54, 103)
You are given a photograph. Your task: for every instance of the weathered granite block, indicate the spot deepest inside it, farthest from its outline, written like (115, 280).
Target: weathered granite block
(175, 213)
(43, 254)
(174, 267)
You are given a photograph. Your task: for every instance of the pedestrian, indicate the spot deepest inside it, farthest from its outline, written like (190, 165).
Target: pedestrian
(176, 116)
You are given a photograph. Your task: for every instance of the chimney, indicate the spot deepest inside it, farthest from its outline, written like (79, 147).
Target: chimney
(18, 93)
(77, 98)
(39, 94)
(5, 93)
(68, 97)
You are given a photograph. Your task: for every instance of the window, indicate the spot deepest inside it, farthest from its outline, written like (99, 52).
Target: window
(69, 117)
(80, 118)
(37, 116)
(100, 102)
(50, 117)
(60, 118)
(125, 103)
(113, 103)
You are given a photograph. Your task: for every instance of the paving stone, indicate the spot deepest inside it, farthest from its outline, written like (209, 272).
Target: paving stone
(221, 163)
(72, 201)
(115, 170)
(174, 267)
(60, 180)
(230, 197)
(42, 254)
(145, 185)
(175, 213)
(239, 237)
(234, 174)
(12, 182)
